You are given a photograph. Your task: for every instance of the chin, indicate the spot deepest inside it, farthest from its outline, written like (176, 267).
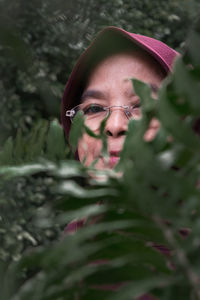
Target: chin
(103, 164)
(99, 165)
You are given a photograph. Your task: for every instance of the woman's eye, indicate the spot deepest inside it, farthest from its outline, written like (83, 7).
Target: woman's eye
(136, 106)
(93, 109)
(135, 111)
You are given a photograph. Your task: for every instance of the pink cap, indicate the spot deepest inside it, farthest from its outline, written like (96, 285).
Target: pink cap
(162, 53)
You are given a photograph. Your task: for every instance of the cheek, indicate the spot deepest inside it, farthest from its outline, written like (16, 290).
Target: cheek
(88, 149)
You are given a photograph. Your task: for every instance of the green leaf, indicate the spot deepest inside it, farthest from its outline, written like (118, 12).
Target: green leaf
(174, 124)
(24, 170)
(56, 147)
(36, 141)
(6, 154)
(136, 289)
(19, 148)
(76, 131)
(187, 99)
(144, 92)
(71, 188)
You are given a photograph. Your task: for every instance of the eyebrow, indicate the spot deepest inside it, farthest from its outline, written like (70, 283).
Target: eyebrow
(93, 94)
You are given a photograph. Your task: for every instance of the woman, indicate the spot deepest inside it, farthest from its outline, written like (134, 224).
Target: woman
(100, 85)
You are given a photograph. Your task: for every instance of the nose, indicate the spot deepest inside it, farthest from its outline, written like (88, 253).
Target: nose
(116, 124)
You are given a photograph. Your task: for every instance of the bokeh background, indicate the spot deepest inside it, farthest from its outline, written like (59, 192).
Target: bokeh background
(41, 40)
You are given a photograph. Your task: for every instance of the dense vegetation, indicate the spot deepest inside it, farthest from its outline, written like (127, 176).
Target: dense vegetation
(41, 40)
(42, 188)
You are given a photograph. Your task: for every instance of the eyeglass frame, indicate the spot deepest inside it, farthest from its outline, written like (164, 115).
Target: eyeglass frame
(71, 113)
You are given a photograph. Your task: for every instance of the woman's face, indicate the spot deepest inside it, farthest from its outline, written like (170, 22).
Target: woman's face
(109, 85)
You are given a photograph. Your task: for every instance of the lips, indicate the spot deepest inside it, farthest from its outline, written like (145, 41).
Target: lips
(114, 158)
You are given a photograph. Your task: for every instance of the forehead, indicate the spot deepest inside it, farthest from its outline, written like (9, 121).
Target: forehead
(125, 65)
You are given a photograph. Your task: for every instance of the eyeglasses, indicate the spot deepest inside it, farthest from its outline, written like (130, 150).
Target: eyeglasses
(99, 112)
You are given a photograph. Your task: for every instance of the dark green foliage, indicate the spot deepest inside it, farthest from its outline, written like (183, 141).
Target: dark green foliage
(23, 198)
(42, 189)
(46, 141)
(126, 218)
